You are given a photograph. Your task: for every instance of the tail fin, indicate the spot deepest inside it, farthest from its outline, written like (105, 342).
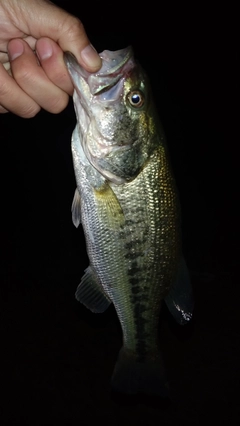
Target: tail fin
(132, 376)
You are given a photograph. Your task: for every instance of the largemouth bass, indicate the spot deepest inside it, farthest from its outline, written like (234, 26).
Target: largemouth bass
(127, 203)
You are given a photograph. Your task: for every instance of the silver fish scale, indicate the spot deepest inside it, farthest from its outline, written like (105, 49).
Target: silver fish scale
(156, 253)
(136, 261)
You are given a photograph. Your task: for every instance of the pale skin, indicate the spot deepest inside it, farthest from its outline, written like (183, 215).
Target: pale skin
(33, 36)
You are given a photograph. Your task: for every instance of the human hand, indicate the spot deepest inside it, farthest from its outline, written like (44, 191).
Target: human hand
(33, 36)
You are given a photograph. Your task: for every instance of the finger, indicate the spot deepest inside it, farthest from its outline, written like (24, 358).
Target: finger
(7, 67)
(50, 56)
(44, 19)
(3, 110)
(3, 57)
(31, 77)
(72, 37)
(12, 97)
(31, 41)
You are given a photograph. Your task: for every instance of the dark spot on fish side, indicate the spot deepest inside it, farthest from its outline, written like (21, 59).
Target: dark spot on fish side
(129, 245)
(134, 270)
(134, 265)
(133, 255)
(133, 281)
(135, 292)
(141, 334)
(132, 211)
(133, 222)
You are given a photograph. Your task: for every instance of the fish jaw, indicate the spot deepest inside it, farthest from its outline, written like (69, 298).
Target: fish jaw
(115, 65)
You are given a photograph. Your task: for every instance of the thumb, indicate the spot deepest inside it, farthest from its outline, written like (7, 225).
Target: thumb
(44, 19)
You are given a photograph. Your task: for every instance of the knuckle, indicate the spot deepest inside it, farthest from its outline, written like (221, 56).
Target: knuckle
(3, 110)
(13, 99)
(74, 28)
(4, 89)
(58, 104)
(23, 75)
(29, 111)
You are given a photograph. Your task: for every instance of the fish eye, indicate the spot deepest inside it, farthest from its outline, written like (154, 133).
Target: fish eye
(135, 98)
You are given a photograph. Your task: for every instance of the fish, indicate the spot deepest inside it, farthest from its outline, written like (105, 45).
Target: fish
(127, 203)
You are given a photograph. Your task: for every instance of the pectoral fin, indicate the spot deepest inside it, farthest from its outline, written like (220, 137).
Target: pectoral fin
(76, 209)
(90, 292)
(180, 298)
(108, 206)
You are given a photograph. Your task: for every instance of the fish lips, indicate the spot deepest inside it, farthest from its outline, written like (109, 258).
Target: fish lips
(115, 66)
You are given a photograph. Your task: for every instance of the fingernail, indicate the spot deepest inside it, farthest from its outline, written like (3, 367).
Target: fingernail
(44, 49)
(91, 57)
(15, 49)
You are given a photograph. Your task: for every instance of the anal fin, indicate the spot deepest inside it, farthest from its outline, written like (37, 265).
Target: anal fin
(91, 294)
(180, 297)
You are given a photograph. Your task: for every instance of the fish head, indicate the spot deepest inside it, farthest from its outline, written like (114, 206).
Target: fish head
(114, 114)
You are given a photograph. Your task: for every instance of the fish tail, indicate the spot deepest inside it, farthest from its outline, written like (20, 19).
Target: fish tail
(133, 375)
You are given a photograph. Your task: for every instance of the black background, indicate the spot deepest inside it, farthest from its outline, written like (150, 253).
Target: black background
(57, 357)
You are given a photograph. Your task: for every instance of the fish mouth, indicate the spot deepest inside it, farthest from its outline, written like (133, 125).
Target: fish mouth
(115, 65)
